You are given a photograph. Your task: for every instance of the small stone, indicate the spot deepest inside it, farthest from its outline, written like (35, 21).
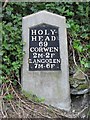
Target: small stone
(79, 92)
(83, 116)
(73, 111)
(79, 75)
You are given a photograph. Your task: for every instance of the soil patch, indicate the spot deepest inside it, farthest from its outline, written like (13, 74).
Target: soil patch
(24, 108)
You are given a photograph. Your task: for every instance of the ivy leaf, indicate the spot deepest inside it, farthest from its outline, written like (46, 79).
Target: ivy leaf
(87, 65)
(9, 97)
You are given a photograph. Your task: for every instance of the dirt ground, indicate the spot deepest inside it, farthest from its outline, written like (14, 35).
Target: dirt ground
(24, 108)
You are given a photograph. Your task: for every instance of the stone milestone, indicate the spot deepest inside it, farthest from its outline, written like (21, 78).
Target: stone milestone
(45, 63)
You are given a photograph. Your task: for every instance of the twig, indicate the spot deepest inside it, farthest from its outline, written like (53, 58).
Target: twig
(10, 100)
(2, 103)
(13, 107)
(21, 108)
(6, 1)
(82, 111)
(2, 110)
(73, 52)
(25, 104)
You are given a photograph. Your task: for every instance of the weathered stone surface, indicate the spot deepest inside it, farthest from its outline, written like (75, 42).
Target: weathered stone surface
(51, 85)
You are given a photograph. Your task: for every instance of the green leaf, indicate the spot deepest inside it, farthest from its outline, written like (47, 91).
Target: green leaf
(9, 97)
(1, 53)
(87, 65)
(79, 48)
(84, 35)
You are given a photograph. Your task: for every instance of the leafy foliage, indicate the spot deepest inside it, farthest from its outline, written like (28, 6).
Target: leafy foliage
(77, 16)
(33, 97)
